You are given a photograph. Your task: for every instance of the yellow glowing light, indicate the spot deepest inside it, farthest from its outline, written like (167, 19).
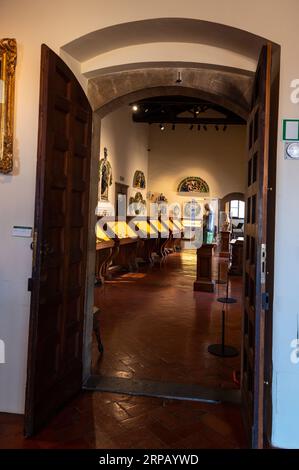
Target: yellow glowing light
(145, 227)
(121, 229)
(101, 235)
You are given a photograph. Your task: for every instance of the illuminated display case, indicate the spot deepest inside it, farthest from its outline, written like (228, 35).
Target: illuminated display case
(174, 229)
(145, 229)
(160, 227)
(178, 224)
(120, 230)
(101, 235)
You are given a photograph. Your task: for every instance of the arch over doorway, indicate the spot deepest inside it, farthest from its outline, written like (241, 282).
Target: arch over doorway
(218, 93)
(123, 95)
(155, 30)
(230, 197)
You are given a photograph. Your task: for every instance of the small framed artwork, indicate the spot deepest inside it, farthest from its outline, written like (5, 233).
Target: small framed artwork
(139, 180)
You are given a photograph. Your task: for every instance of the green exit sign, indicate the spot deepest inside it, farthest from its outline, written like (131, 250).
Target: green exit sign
(290, 130)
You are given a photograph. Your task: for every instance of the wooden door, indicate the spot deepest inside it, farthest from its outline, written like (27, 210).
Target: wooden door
(60, 243)
(255, 302)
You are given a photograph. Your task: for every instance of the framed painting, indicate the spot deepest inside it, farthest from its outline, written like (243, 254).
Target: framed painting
(8, 59)
(139, 180)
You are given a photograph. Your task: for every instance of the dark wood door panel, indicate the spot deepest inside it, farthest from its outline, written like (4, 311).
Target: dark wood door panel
(61, 226)
(255, 241)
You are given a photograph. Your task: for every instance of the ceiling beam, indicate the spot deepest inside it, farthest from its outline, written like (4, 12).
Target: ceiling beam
(186, 120)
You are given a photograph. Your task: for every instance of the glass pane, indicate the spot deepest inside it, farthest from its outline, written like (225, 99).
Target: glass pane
(241, 209)
(234, 204)
(234, 212)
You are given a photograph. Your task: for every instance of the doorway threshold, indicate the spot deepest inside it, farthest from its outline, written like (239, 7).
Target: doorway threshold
(167, 390)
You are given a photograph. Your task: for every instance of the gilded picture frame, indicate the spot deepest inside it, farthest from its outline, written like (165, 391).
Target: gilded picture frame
(8, 60)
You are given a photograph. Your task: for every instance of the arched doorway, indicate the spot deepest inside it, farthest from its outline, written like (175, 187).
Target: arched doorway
(233, 205)
(257, 43)
(230, 197)
(146, 95)
(123, 95)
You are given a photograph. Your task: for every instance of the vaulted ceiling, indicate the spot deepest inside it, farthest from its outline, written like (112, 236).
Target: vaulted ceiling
(224, 86)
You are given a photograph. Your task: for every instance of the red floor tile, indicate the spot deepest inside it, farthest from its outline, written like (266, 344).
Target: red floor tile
(153, 327)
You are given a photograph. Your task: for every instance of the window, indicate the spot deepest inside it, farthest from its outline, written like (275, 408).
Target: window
(237, 209)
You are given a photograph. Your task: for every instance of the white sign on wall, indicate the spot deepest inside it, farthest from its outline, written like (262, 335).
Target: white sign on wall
(290, 130)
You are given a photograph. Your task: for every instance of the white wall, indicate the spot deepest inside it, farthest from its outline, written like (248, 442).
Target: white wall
(127, 145)
(57, 22)
(216, 156)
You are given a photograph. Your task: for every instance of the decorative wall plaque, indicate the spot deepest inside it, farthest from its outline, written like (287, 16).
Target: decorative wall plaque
(193, 184)
(137, 205)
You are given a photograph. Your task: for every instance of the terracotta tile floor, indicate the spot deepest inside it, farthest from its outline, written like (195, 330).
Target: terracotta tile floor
(107, 421)
(153, 327)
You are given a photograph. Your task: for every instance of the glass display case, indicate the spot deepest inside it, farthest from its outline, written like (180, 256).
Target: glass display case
(178, 224)
(101, 235)
(173, 228)
(145, 229)
(120, 229)
(160, 228)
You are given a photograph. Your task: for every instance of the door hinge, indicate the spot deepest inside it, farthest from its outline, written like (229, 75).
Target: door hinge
(263, 263)
(265, 301)
(30, 284)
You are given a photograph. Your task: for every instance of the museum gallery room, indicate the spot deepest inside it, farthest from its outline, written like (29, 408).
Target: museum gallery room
(157, 317)
(148, 188)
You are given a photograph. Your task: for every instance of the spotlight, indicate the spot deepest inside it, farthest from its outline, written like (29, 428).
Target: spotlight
(198, 127)
(205, 127)
(217, 128)
(135, 107)
(146, 110)
(197, 111)
(224, 128)
(162, 127)
(173, 127)
(191, 127)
